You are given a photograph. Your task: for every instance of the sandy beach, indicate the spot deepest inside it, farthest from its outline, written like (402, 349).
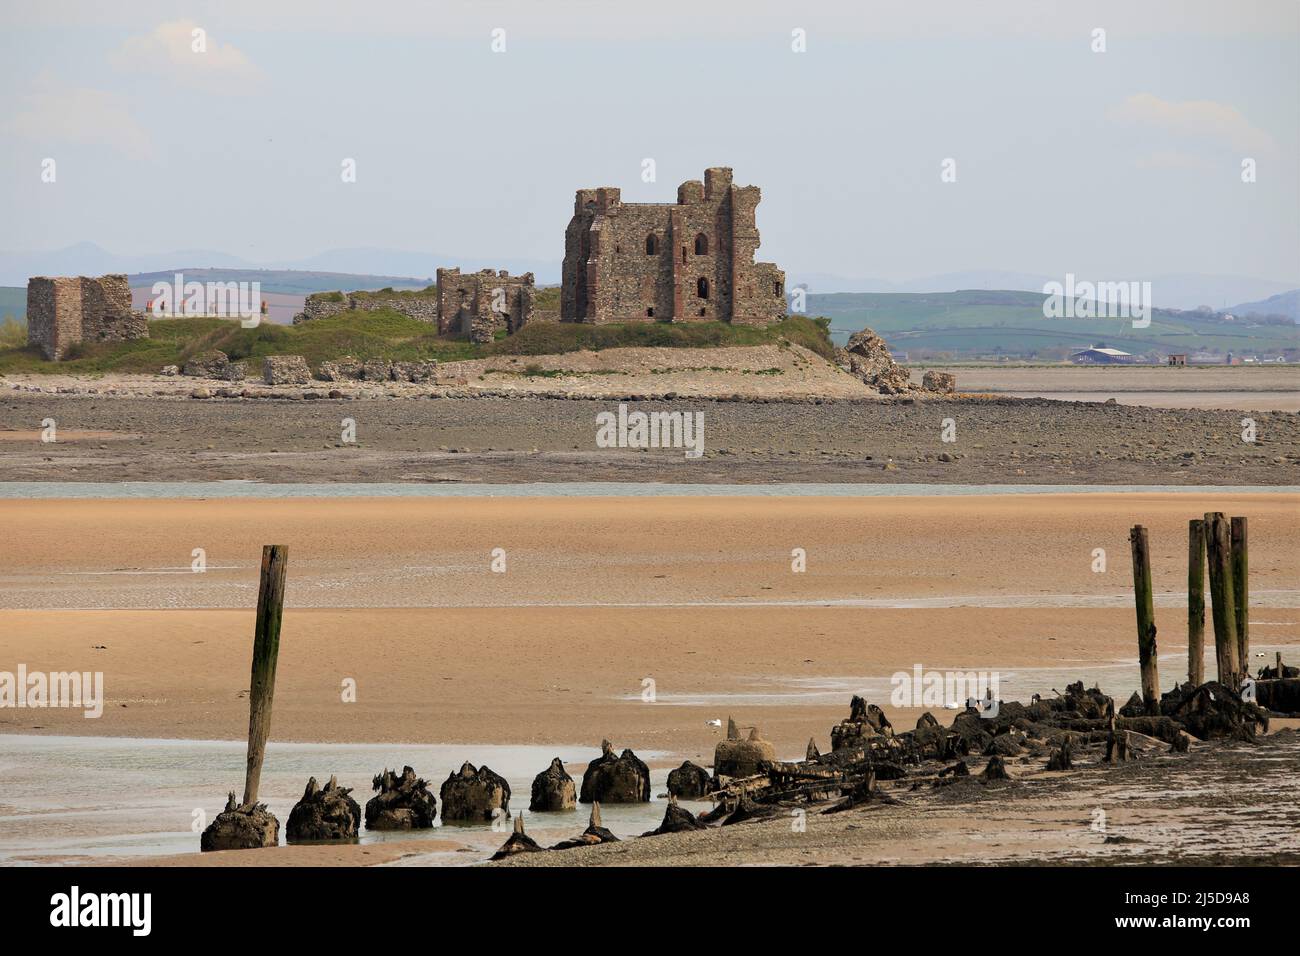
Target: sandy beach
(639, 620)
(598, 594)
(1246, 387)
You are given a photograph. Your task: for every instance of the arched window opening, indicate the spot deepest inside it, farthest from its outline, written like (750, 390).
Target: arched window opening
(650, 313)
(776, 288)
(651, 245)
(702, 288)
(701, 245)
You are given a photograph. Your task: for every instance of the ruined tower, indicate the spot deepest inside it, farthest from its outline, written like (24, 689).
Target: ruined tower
(65, 310)
(480, 303)
(688, 261)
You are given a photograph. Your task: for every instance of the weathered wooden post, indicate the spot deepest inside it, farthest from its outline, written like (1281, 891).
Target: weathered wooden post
(1146, 619)
(1196, 601)
(1223, 606)
(250, 825)
(266, 650)
(1241, 594)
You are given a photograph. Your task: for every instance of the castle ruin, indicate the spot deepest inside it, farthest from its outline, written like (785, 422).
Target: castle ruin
(480, 303)
(689, 261)
(65, 310)
(477, 304)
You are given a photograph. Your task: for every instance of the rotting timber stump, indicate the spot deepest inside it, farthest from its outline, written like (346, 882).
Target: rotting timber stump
(1146, 619)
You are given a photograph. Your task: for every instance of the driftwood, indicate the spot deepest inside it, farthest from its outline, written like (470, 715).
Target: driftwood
(676, 820)
(518, 842)
(595, 833)
(1279, 696)
(1213, 711)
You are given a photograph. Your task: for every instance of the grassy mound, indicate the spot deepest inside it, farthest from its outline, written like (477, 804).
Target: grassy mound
(384, 334)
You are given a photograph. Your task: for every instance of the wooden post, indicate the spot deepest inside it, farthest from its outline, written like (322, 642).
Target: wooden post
(1223, 606)
(1146, 619)
(1196, 602)
(266, 648)
(1241, 594)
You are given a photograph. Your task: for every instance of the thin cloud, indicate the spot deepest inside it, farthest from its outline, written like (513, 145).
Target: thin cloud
(55, 115)
(1206, 121)
(186, 51)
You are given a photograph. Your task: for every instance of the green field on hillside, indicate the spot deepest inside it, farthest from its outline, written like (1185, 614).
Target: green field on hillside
(981, 322)
(388, 335)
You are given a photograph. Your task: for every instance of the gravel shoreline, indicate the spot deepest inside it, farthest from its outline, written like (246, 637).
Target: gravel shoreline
(527, 438)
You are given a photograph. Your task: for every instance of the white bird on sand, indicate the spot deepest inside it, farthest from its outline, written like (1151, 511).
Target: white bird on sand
(714, 723)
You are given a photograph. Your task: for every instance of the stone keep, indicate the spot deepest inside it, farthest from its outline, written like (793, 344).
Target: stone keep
(480, 303)
(65, 310)
(692, 261)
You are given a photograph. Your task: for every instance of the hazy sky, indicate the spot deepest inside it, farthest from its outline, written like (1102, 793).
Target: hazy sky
(1117, 165)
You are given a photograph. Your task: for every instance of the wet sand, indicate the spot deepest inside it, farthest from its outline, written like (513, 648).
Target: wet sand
(1013, 550)
(695, 594)
(602, 599)
(1254, 388)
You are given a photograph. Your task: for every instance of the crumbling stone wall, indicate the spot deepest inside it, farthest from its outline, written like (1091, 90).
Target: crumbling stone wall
(692, 261)
(480, 303)
(419, 305)
(65, 310)
(320, 305)
(414, 305)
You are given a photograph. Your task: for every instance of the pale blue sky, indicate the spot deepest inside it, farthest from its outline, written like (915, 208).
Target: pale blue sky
(1118, 165)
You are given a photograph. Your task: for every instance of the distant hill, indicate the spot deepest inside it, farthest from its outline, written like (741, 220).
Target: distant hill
(970, 323)
(1286, 303)
(1171, 291)
(284, 281)
(87, 258)
(987, 322)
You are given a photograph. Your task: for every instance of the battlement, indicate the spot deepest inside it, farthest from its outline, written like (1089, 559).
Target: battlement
(683, 261)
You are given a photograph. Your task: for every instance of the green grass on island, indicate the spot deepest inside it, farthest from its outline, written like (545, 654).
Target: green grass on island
(383, 334)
